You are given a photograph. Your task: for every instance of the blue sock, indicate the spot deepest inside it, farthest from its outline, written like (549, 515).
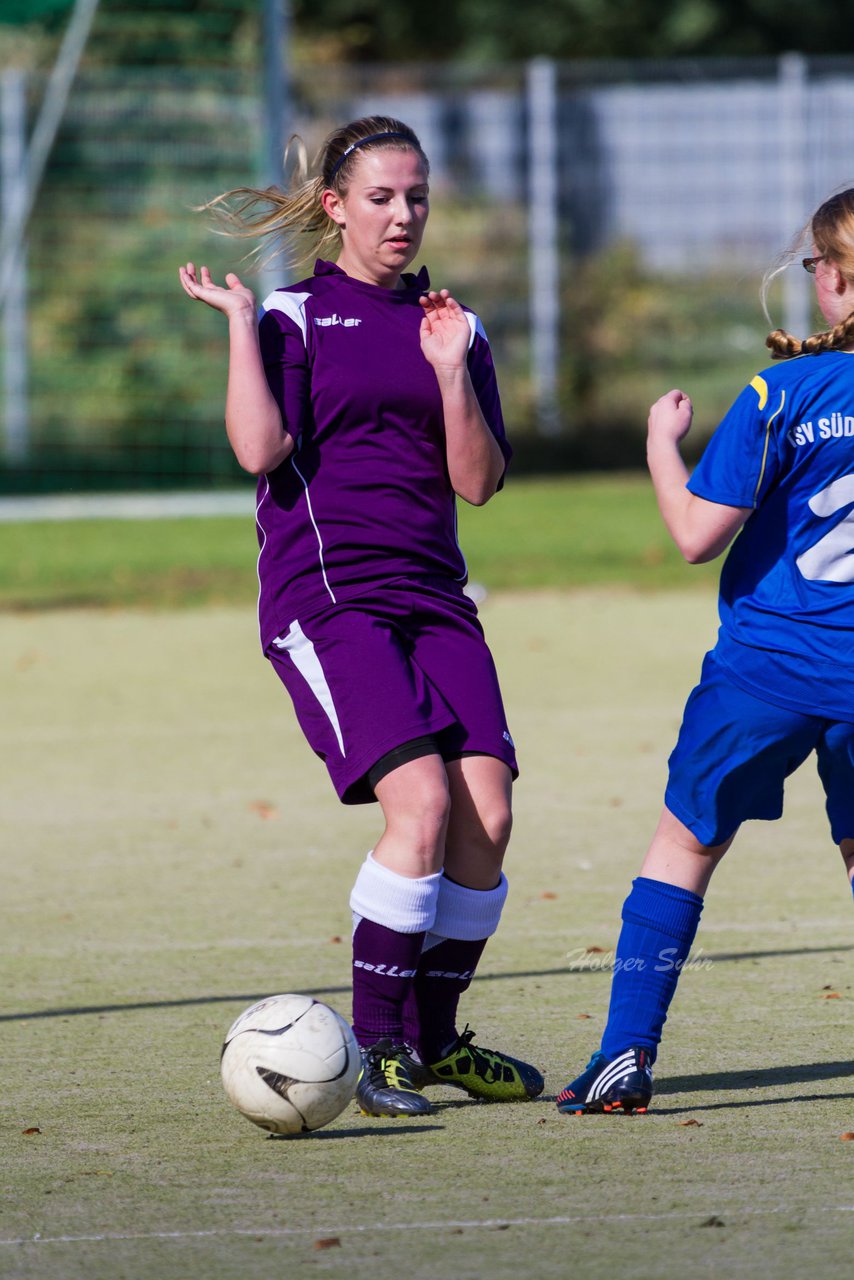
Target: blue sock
(659, 924)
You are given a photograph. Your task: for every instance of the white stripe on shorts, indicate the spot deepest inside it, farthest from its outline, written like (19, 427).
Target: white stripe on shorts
(307, 663)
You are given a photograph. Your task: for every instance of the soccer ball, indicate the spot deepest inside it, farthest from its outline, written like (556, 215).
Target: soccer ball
(290, 1064)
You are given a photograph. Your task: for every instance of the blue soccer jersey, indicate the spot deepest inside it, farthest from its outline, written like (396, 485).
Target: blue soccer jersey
(786, 449)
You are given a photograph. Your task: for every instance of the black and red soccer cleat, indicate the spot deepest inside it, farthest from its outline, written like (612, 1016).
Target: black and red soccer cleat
(623, 1083)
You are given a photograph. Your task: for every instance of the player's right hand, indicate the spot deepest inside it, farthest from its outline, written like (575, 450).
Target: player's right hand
(231, 300)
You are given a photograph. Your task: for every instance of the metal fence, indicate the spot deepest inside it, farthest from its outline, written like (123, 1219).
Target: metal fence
(609, 222)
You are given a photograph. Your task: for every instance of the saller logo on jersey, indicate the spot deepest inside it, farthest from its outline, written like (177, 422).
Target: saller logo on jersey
(325, 321)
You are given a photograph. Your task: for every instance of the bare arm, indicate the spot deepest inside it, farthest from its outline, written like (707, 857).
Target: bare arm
(700, 529)
(475, 460)
(253, 421)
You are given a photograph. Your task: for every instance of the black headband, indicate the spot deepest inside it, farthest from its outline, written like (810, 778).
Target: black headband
(372, 137)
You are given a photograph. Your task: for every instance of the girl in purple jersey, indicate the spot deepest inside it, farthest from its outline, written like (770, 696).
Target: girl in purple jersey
(366, 402)
(779, 684)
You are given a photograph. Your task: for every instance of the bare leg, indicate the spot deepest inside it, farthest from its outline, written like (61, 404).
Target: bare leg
(415, 801)
(480, 820)
(846, 848)
(471, 898)
(394, 903)
(660, 918)
(675, 856)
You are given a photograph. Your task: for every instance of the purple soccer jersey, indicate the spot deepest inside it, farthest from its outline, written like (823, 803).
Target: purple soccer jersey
(365, 497)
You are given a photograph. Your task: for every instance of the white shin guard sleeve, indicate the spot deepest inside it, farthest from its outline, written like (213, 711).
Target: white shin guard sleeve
(467, 914)
(398, 902)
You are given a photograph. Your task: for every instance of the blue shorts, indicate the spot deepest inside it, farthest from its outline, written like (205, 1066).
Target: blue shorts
(402, 661)
(735, 752)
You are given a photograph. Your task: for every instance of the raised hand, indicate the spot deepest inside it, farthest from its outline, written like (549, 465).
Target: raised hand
(231, 300)
(671, 416)
(445, 333)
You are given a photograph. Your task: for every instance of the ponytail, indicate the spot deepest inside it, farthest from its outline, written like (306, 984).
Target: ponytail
(298, 213)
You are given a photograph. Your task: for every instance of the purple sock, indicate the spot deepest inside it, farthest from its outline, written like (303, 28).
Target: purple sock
(430, 1011)
(384, 966)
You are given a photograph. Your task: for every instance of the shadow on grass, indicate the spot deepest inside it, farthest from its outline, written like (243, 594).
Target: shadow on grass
(787, 1074)
(374, 1131)
(733, 1105)
(579, 969)
(190, 1003)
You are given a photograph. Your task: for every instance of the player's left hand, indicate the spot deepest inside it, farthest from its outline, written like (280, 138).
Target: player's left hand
(445, 333)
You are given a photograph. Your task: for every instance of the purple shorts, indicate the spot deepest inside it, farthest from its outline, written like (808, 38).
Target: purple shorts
(405, 659)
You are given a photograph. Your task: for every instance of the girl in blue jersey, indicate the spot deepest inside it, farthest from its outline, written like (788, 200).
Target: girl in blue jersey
(779, 685)
(366, 402)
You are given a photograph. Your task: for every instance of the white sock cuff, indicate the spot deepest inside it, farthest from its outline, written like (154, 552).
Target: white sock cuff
(398, 902)
(469, 914)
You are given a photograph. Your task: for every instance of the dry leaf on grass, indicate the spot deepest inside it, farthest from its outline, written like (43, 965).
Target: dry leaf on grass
(691, 1121)
(264, 810)
(327, 1242)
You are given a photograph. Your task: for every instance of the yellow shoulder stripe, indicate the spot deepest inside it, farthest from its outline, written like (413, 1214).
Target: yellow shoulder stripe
(768, 426)
(760, 386)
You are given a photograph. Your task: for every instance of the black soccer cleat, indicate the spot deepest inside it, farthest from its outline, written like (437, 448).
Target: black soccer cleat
(483, 1073)
(385, 1086)
(623, 1083)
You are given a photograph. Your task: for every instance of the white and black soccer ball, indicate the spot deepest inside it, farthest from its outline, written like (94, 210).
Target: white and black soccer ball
(290, 1064)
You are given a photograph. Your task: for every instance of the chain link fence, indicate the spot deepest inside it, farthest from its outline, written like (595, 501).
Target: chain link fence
(609, 222)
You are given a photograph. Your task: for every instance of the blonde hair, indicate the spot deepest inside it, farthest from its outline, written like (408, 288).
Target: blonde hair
(249, 212)
(831, 230)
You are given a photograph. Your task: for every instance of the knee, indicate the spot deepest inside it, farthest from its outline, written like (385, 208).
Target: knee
(497, 825)
(424, 815)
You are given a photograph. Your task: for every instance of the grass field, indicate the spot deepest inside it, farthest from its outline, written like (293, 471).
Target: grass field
(538, 533)
(171, 852)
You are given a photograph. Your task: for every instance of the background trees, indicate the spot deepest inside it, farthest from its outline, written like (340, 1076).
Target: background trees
(467, 30)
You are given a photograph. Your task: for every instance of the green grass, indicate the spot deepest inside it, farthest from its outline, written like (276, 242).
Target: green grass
(147, 899)
(537, 533)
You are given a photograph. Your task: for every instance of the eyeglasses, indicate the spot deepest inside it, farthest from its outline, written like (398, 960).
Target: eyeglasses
(808, 264)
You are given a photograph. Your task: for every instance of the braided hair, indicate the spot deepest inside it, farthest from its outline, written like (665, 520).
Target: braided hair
(831, 229)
